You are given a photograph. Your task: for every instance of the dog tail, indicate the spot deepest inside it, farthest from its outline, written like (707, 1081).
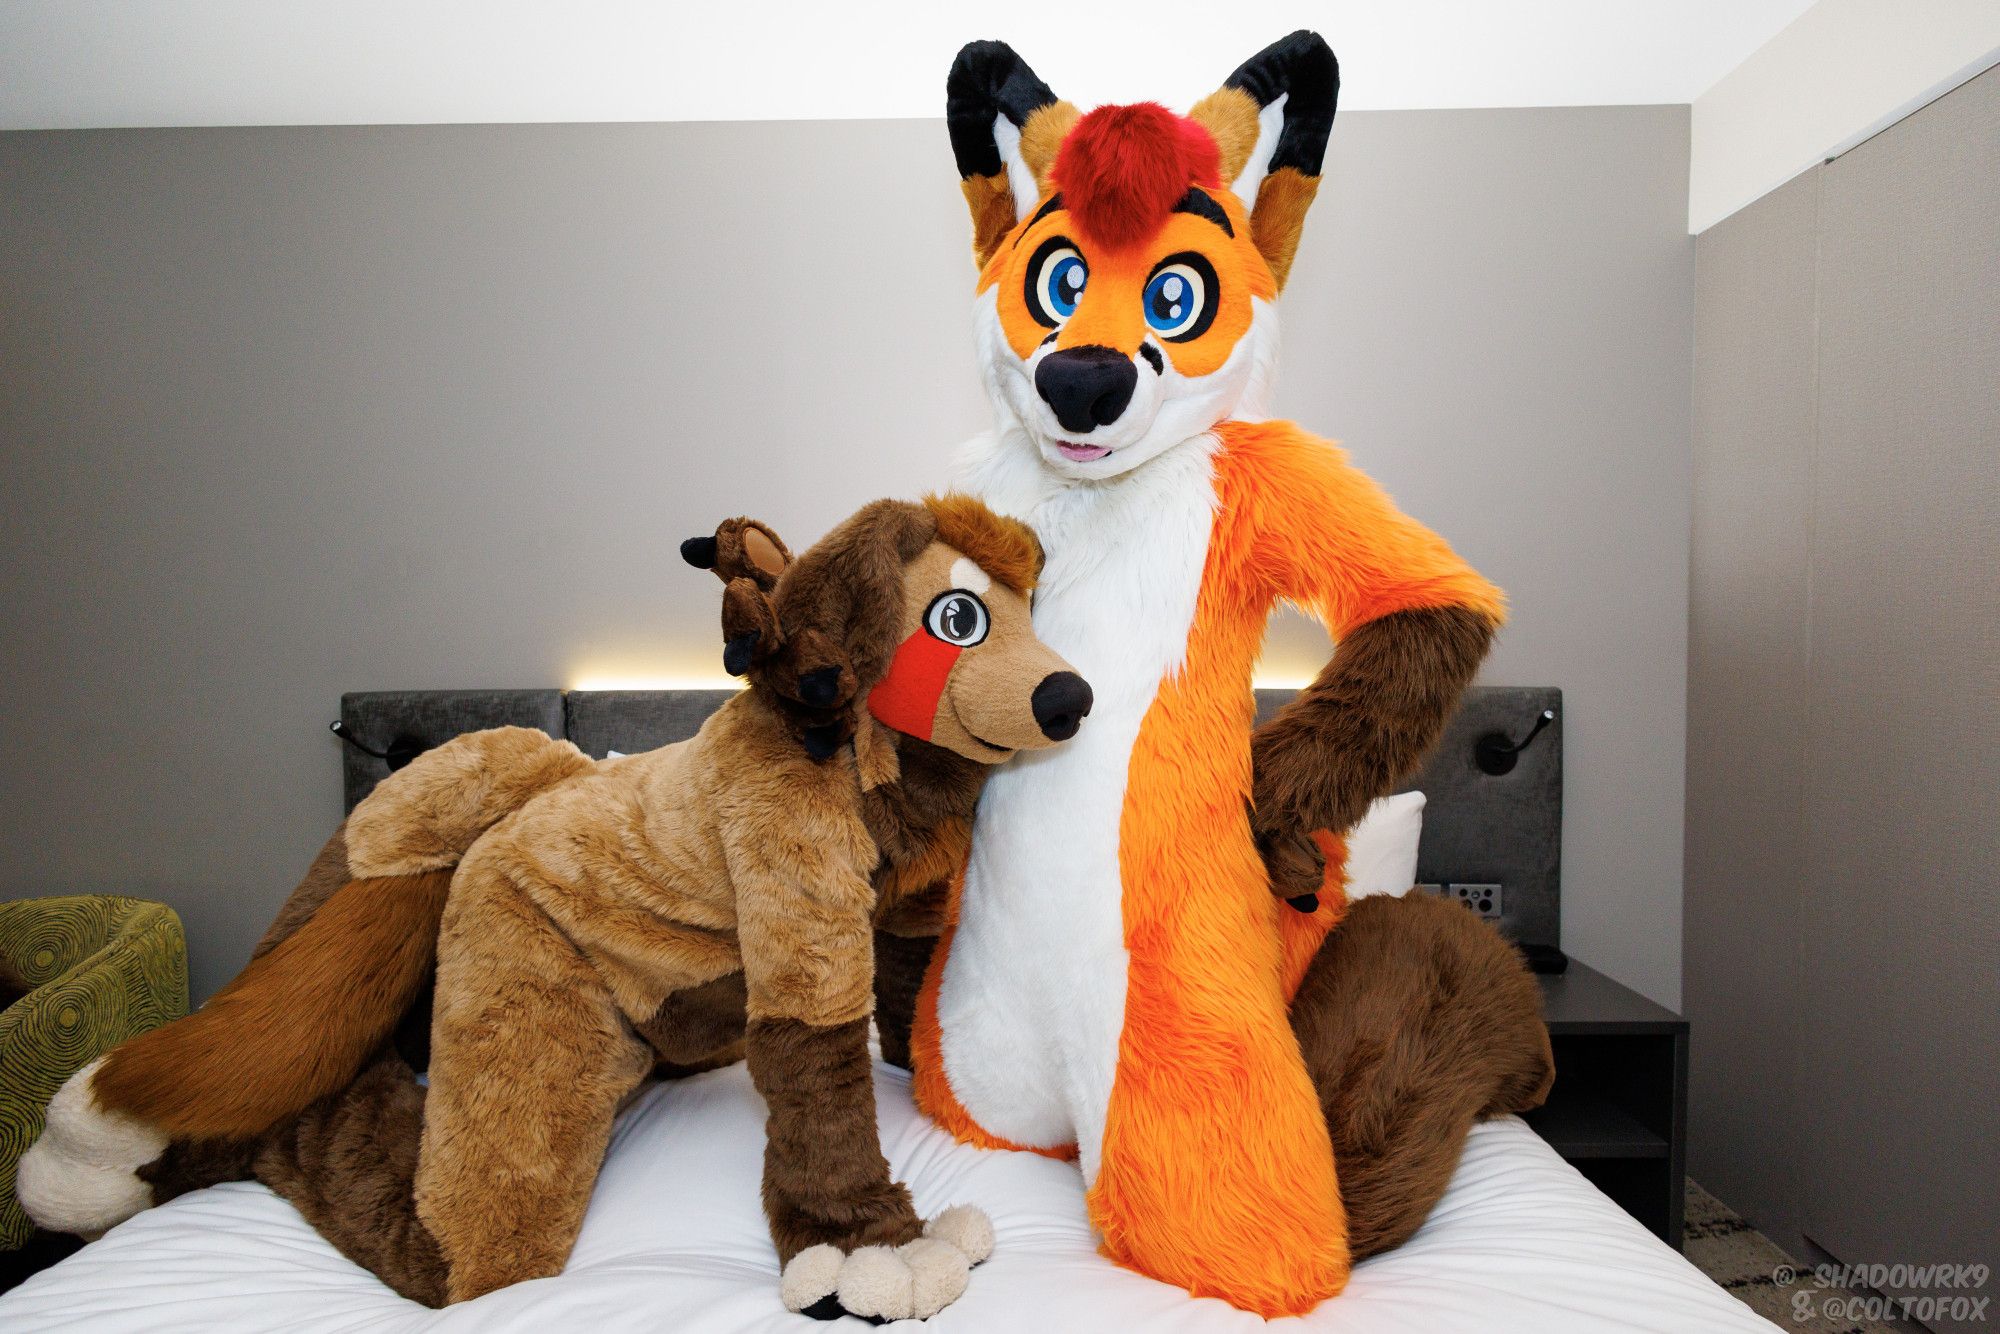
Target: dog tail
(312, 1008)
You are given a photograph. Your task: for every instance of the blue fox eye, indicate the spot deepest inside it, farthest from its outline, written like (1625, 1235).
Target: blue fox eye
(1056, 276)
(1180, 297)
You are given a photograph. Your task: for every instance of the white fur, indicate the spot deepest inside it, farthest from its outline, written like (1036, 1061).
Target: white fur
(810, 1275)
(1167, 408)
(938, 1272)
(79, 1177)
(1020, 180)
(965, 1227)
(913, 1281)
(1270, 124)
(1032, 999)
(967, 575)
(1032, 1004)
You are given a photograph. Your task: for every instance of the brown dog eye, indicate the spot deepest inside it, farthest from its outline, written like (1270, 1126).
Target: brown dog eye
(957, 617)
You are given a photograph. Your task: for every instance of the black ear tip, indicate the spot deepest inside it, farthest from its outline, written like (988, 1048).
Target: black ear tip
(699, 552)
(736, 653)
(986, 51)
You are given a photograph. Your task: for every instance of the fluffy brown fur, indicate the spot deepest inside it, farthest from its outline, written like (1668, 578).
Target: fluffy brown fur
(698, 1028)
(194, 1164)
(364, 955)
(900, 962)
(824, 1171)
(447, 797)
(1005, 548)
(1416, 1019)
(1357, 731)
(347, 1165)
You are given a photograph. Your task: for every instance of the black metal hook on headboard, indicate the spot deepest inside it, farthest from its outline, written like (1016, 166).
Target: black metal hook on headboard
(401, 750)
(1495, 753)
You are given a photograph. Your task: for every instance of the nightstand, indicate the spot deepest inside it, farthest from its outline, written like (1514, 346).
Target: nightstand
(1618, 1111)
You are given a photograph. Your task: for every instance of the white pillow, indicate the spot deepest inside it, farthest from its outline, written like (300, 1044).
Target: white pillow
(1382, 849)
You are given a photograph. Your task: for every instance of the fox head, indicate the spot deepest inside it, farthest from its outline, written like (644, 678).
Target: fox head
(1130, 257)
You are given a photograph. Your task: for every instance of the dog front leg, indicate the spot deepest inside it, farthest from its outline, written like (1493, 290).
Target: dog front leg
(848, 1237)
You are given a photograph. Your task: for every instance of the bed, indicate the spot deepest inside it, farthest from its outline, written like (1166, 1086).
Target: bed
(675, 1237)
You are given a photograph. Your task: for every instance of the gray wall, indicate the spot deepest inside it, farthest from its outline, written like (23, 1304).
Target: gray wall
(1843, 902)
(287, 412)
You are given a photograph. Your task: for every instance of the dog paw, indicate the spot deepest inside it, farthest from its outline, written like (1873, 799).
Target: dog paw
(881, 1283)
(810, 1281)
(81, 1176)
(965, 1227)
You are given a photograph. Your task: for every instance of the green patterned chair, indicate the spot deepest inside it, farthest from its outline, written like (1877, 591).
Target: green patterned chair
(103, 969)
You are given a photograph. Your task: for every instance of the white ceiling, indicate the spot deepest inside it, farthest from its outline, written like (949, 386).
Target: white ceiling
(77, 63)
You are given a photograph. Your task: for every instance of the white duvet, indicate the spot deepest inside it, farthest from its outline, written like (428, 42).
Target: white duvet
(675, 1241)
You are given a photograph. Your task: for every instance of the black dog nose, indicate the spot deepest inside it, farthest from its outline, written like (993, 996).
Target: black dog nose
(1087, 386)
(1060, 702)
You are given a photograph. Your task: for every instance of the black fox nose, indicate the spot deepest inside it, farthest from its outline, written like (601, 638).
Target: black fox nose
(1060, 702)
(1087, 386)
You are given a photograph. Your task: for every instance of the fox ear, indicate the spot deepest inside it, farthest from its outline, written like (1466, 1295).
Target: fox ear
(1005, 125)
(1271, 119)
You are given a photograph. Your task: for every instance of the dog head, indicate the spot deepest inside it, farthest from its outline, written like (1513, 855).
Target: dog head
(1130, 257)
(918, 611)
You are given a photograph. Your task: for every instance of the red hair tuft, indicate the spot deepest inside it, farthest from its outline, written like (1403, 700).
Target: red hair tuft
(1122, 169)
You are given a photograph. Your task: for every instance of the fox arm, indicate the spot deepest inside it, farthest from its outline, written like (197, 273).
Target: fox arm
(804, 919)
(1412, 621)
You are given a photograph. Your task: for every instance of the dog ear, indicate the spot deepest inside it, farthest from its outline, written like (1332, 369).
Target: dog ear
(1271, 119)
(751, 630)
(842, 601)
(1005, 125)
(740, 549)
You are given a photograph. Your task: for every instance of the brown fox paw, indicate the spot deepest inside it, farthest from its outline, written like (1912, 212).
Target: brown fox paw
(881, 1283)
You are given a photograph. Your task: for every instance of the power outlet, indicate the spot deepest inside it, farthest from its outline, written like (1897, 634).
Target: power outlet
(1483, 899)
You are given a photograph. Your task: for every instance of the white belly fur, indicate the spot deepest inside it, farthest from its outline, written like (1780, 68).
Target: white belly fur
(1032, 1002)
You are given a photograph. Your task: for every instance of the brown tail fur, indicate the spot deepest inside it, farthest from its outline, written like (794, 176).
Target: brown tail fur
(346, 957)
(300, 1021)
(1416, 1020)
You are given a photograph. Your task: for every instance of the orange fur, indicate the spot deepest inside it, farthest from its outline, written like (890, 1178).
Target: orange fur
(351, 971)
(1217, 1170)
(1114, 313)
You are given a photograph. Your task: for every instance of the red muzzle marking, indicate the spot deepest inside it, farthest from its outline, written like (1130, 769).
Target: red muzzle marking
(906, 699)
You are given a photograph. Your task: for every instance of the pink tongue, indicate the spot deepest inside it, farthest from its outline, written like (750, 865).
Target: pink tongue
(1081, 453)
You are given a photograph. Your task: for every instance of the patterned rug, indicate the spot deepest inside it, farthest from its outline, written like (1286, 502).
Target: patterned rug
(1764, 1278)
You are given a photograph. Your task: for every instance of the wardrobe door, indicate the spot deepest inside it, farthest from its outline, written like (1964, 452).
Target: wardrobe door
(1900, 1060)
(1755, 381)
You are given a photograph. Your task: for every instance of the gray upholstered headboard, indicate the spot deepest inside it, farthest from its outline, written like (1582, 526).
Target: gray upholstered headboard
(1478, 828)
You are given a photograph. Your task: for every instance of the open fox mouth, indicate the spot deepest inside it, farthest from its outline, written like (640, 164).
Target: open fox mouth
(1076, 453)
